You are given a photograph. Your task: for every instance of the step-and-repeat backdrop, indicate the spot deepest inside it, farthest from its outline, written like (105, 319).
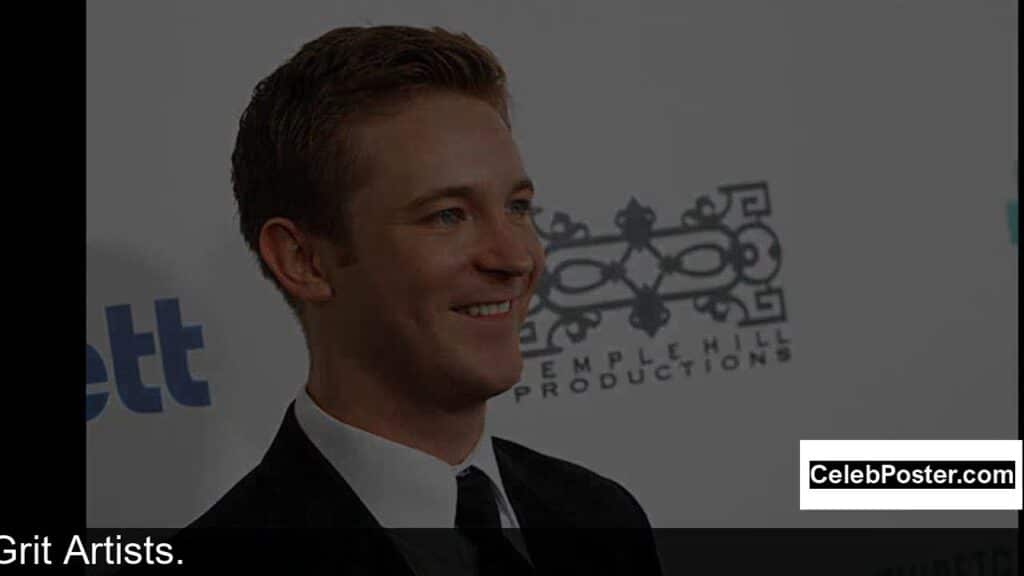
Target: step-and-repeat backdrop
(863, 153)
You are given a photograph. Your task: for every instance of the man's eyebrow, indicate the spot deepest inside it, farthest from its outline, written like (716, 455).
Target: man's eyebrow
(459, 192)
(524, 184)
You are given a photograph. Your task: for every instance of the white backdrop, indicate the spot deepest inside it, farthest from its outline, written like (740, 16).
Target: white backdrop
(886, 135)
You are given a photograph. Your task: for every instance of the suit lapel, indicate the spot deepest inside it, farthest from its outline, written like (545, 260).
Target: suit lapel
(529, 494)
(558, 539)
(323, 498)
(319, 497)
(538, 513)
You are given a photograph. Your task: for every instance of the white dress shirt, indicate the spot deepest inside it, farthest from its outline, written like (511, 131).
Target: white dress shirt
(401, 486)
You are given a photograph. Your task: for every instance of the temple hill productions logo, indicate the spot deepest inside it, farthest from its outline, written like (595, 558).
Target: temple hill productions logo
(126, 348)
(720, 261)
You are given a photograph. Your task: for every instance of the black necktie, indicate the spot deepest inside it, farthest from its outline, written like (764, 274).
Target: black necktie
(476, 516)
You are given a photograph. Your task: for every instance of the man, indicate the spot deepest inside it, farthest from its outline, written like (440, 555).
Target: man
(379, 184)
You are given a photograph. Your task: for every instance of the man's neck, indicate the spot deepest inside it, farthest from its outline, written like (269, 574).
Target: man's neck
(376, 405)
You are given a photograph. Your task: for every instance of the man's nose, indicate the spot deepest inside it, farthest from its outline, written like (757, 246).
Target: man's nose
(505, 251)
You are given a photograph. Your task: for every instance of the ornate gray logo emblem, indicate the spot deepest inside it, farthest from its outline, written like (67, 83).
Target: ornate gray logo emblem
(722, 256)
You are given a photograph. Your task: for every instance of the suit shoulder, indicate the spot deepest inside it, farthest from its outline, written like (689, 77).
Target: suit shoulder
(250, 502)
(577, 487)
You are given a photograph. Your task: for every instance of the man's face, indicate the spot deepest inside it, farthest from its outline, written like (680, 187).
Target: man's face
(446, 254)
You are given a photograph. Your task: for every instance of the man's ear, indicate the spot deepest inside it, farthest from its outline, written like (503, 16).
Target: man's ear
(294, 258)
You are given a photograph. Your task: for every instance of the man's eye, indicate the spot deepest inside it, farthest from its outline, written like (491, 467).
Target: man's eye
(521, 207)
(449, 216)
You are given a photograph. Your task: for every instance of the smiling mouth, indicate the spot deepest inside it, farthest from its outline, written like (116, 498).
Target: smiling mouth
(486, 310)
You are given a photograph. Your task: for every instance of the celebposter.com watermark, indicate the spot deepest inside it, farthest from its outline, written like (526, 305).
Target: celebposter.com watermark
(910, 474)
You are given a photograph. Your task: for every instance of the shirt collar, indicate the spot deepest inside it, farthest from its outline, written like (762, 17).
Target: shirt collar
(401, 486)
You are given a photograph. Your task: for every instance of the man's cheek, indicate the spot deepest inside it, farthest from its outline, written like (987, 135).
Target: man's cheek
(524, 301)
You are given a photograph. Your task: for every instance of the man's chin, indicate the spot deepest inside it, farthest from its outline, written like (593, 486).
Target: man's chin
(499, 389)
(473, 393)
(489, 382)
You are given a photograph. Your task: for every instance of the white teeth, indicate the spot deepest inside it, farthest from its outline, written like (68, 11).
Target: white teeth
(488, 309)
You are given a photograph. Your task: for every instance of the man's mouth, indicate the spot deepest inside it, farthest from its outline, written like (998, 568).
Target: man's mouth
(486, 309)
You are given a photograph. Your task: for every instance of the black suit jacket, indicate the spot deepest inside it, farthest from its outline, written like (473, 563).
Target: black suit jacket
(571, 518)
